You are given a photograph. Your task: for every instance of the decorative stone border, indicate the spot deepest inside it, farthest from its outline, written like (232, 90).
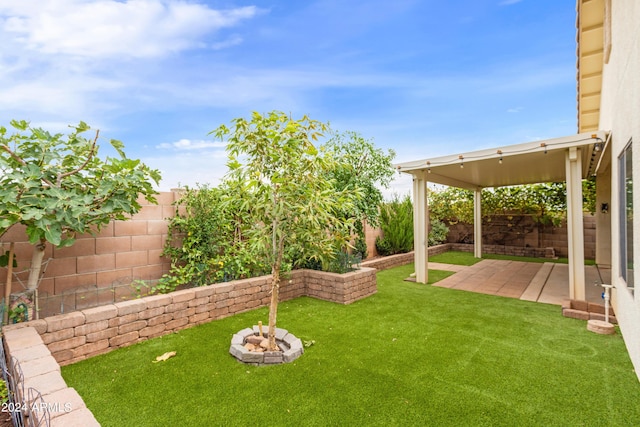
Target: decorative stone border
(71, 337)
(584, 310)
(42, 372)
(291, 351)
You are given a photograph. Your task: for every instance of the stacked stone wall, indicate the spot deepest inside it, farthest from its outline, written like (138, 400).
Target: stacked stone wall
(41, 346)
(75, 336)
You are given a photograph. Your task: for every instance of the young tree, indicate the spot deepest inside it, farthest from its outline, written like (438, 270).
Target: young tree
(58, 187)
(291, 200)
(367, 168)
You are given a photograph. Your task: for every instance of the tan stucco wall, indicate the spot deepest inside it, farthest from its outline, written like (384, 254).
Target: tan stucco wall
(620, 113)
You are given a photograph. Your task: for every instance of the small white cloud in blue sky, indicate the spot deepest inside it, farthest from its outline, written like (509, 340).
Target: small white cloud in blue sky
(419, 77)
(186, 144)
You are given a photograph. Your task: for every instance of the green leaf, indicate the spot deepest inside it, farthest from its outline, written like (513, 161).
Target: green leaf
(53, 234)
(34, 234)
(119, 146)
(82, 127)
(4, 260)
(67, 242)
(21, 125)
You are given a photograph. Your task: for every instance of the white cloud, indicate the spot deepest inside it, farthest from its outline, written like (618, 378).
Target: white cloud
(67, 59)
(509, 2)
(232, 41)
(60, 95)
(114, 29)
(188, 168)
(401, 185)
(188, 145)
(515, 110)
(191, 162)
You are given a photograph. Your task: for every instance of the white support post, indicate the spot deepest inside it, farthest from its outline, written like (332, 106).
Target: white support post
(420, 228)
(477, 223)
(575, 227)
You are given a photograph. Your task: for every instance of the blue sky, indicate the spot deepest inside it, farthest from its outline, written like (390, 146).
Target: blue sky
(425, 78)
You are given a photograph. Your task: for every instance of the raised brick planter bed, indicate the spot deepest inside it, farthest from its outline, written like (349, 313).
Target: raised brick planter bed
(584, 310)
(42, 372)
(71, 337)
(75, 336)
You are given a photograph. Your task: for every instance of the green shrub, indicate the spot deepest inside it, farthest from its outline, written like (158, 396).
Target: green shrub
(4, 392)
(207, 240)
(396, 222)
(383, 246)
(344, 262)
(360, 245)
(438, 233)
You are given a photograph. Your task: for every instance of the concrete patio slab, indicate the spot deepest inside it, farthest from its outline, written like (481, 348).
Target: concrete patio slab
(556, 289)
(540, 282)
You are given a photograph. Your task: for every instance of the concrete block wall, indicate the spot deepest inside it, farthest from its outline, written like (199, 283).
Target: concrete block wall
(124, 251)
(535, 237)
(120, 253)
(556, 238)
(370, 235)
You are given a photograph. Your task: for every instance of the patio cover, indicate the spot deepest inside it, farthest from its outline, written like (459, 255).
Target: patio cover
(528, 163)
(571, 159)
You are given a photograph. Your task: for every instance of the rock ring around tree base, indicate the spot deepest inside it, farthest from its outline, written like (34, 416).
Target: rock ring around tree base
(290, 348)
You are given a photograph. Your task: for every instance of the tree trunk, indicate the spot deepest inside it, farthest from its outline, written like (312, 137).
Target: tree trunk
(273, 308)
(36, 266)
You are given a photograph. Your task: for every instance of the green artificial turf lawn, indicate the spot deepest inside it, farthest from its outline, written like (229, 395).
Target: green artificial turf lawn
(467, 258)
(409, 355)
(455, 257)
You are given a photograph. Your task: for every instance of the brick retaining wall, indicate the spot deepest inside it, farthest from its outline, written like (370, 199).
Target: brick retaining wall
(68, 338)
(75, 336)
(390, 261)
(383, 263)
(42, 372)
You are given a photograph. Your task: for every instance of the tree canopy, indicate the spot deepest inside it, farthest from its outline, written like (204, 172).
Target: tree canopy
(546, 203)
(292, 203)
(363, 166)
(57, 186)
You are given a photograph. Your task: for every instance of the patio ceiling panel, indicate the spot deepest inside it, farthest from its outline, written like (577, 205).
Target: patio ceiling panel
(528, 163)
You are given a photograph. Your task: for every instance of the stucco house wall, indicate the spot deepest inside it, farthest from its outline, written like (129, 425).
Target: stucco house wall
(620, 113)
